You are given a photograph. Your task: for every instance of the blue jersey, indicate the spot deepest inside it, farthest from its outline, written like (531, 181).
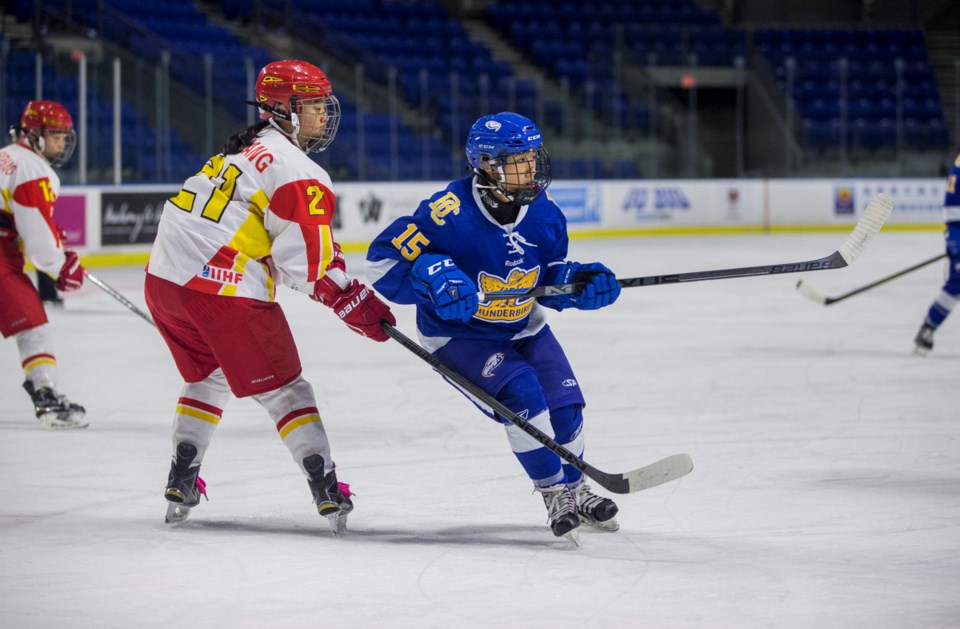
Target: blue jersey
(951, 202)
(455, 223)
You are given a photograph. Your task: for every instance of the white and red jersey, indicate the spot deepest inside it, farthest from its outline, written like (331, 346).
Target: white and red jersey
(30, 187)
(248, 220)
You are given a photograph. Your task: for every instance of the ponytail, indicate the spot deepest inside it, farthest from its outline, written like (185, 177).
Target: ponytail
(242, 139)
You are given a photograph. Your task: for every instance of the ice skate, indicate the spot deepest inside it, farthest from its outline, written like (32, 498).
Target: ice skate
(597, 511)
(184, 485)
(331, 497)
(55, 411)
(924, 340)
(561, 511)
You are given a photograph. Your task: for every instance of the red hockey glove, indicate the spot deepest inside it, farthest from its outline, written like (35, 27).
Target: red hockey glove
(71, 273)
(357, 306)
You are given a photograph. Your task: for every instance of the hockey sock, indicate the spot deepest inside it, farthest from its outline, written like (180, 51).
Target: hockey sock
(199, 410)
(293, 408)
(941, 308)
(568, 425)
(37, 358)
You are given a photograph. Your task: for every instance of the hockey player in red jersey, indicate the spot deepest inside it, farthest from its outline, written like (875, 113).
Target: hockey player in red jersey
(44, 139)
(256, 214)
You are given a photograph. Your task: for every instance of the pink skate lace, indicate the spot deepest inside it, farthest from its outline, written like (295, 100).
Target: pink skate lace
(344, 489)
(202, 487)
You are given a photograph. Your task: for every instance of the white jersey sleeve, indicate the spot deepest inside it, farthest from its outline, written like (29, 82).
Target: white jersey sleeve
(30, 188)
(248, 220)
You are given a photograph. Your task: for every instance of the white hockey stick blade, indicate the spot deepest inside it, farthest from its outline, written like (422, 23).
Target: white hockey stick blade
(663, 471)
(810, 293)
(874, 216)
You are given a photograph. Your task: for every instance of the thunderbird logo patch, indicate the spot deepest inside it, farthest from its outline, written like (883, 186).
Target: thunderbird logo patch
(520, 280)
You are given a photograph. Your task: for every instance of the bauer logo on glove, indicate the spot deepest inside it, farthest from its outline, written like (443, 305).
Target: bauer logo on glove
(353, 303)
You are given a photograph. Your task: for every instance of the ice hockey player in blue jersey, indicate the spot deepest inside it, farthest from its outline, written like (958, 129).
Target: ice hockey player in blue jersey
(496, 229)
(950, 293)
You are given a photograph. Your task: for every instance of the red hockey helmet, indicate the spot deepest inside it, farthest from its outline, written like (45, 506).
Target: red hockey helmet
(40, 119)
(300, 93)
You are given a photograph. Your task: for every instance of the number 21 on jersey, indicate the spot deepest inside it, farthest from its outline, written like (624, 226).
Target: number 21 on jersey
(218, 196)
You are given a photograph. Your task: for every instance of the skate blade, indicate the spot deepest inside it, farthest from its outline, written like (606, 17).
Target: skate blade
(338, 522)
(52, 421)
(609, 525)
(573, 537)
(176, 513)
(920, 351)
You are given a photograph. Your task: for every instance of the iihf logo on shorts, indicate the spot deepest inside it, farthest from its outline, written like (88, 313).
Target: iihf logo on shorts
(492, 363)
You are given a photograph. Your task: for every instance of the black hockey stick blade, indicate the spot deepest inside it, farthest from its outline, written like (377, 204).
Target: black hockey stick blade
(662, 471)
(810, 293)
(116, 295)
(874, 216)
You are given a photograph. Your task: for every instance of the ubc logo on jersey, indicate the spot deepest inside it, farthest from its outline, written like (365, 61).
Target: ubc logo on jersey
(492, 363)
(221, 275)
(508, 309)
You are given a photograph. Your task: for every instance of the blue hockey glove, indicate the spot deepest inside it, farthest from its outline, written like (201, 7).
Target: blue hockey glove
(953, 240)
(601, 286)
(453, 294)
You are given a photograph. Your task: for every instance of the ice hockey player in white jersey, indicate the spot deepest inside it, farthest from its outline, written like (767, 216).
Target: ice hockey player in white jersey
(257, 214)
(497, 229)
(44, 139)
(949, 294)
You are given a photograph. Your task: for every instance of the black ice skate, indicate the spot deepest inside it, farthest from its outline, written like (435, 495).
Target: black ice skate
(561, 511)
(923, 340)
(184, 485)
(55, 411)
(595, 510)
(331, 497)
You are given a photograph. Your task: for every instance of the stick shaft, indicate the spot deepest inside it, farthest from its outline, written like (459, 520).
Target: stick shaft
(874, 216)
(116, 295)
(884, 280)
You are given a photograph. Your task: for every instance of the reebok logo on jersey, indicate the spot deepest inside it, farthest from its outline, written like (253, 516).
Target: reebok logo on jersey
(221, 275)
(492, 363)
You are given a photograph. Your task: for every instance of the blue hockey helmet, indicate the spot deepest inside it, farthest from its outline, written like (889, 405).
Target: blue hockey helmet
(493, 139)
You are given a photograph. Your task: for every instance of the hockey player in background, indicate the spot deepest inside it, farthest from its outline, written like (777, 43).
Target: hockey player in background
(256, 215)
(496, 229)
(45, 139)
(950, 293)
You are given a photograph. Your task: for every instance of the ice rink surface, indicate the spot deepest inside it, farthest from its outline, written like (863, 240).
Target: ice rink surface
(825, 494)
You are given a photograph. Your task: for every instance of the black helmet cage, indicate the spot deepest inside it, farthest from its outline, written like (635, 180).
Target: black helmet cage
(526, 194)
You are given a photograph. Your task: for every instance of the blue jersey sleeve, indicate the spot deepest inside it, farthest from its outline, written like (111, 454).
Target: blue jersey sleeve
(392, 254)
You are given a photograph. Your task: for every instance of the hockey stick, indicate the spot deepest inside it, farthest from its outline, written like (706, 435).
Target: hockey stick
(873, 218)
(662, 471)
(808, 291)
(123, 300)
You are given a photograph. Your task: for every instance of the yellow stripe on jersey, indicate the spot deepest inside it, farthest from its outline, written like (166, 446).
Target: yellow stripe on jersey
(252, 239)
(300, 421)
(326, 237)
(259, 202)
(197, 414)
